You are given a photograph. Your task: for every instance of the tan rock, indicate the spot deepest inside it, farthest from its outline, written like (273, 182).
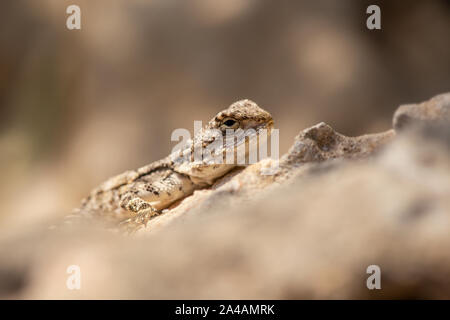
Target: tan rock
(336, 205)
(435, 109)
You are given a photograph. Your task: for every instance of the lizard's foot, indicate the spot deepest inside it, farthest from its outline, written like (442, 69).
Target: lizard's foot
(133, 224)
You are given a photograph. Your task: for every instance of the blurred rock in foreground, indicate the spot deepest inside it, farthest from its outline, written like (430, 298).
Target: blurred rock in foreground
(335, 206)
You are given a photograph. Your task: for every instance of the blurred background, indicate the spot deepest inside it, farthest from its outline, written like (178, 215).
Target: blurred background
(78, 106)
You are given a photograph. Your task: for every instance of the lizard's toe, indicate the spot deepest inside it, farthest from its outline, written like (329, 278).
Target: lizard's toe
(133, 224)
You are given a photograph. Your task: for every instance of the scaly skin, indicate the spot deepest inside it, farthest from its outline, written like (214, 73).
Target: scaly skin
(135, 196)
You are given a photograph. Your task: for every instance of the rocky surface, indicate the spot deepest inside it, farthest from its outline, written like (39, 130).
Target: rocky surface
(312, 146)
(435, 110)
(335, 206)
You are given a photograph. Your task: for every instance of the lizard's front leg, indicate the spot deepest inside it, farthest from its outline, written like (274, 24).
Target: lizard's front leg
(149, 195)
(144, 211)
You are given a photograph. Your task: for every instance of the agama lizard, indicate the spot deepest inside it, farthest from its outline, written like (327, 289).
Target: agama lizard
(134, 197)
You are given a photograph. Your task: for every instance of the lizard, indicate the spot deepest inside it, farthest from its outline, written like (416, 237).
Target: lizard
(135, 196)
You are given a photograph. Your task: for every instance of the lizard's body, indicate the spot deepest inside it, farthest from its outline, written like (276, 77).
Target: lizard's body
(137, 195)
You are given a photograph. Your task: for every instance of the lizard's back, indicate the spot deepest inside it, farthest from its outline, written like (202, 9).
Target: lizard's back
(104, 200)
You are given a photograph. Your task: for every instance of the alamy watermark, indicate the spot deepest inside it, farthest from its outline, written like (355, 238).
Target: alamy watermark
(73, 21)
(73, 281)
(374, 280)
(374, 20)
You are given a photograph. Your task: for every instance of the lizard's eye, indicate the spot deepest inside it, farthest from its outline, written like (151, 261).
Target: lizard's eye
(230, 123)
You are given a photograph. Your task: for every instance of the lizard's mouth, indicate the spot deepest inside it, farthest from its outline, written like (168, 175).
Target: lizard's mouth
(269, 125)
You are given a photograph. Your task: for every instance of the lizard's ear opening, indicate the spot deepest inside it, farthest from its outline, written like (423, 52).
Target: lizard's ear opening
(229, 123)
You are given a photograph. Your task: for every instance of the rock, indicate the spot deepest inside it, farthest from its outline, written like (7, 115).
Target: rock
(321, 142)
(433, 110)
(312, 146)
(334, 206)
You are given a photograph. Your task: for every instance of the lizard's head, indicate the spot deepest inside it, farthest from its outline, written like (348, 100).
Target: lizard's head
(243, 114)
(240, 125)
(230, 130)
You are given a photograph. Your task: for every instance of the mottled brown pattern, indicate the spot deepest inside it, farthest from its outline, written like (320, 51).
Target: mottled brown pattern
(135, 196)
